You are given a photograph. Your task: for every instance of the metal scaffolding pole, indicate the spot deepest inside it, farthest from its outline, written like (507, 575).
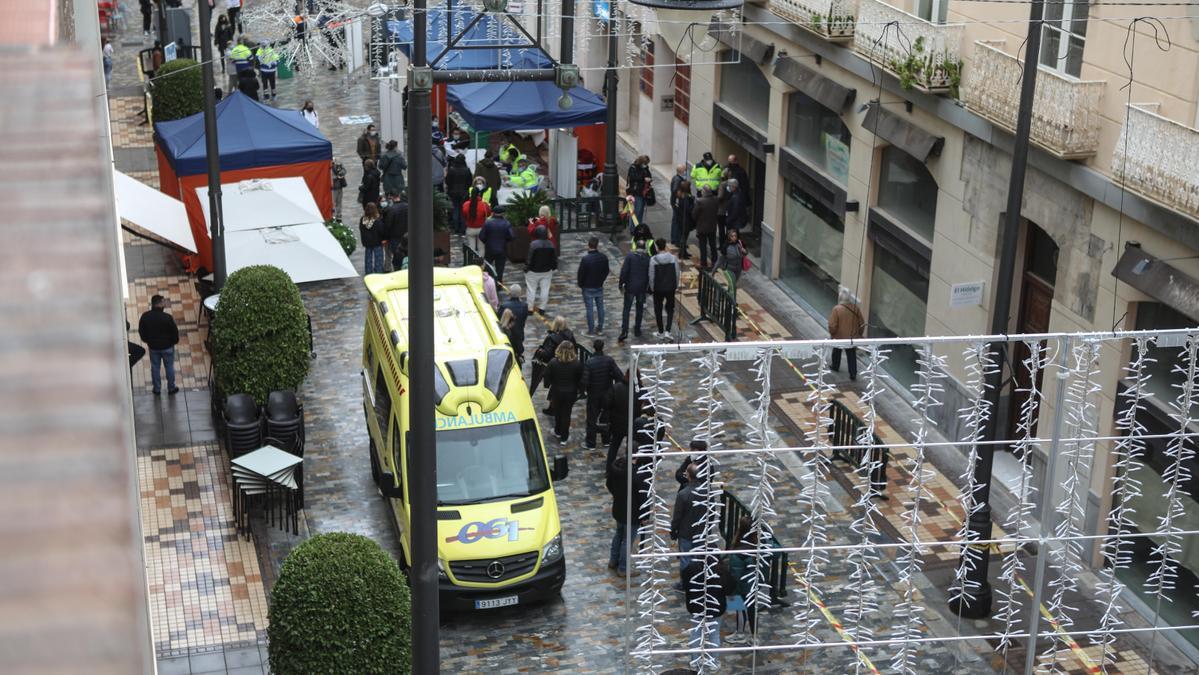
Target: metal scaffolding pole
(216, 217)
(976, 601)
(611, 186)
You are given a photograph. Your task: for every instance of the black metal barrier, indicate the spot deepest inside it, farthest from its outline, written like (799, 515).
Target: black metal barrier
(731, 512)
(846, 429)
(471, 257)
(717, 305)
(582, 214)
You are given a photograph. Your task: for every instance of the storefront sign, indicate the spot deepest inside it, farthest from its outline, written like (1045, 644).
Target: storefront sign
(969, 294)
(836, 158)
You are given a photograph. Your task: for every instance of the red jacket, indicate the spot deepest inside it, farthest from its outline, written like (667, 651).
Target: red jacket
(482, 213)
(551, 228)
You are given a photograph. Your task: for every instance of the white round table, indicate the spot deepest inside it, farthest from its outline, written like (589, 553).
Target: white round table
(211, 301)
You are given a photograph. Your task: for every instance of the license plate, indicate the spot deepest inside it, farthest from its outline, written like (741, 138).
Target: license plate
(492, 603)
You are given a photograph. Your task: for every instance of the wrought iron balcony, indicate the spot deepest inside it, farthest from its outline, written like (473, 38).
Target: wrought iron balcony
(921, 54)
(831, 19)
(1159, 158)
(1065, 110)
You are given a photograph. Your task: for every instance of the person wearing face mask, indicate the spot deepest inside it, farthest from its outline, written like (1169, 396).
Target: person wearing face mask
(309, 113)
(489, 171)
(368, 144)
(706, 174)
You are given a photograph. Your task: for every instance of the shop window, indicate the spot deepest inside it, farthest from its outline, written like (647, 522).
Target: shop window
(1164, 381)
(907, 192)
(1064, 35)
(819, 136)
(682, 92)
(745, 89)
(812, 258)
(647, 68)
(898, 305)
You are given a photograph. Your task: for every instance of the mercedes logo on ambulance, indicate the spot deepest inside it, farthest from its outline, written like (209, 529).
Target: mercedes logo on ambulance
(495, 570)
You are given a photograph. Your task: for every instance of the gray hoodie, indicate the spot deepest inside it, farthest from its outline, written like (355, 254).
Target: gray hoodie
(662, 279)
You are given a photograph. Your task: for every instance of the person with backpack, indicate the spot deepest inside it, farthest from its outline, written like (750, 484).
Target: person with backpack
(540, 264)
(634, 282)
(545, 353)
(564, 377)
(663, 282)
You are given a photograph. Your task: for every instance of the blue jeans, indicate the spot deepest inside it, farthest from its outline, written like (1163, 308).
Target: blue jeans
(374, 260)
(619, 553)
(639, 208)
(167, 358)
(593, 298)
(628, 304)
(684, 546)
(456, 224)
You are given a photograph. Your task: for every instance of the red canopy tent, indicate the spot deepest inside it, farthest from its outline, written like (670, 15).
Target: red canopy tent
(256, 141)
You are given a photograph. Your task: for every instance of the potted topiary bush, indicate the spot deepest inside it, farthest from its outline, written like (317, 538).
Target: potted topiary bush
(260, 333)
(178, 90)
(518, 211)
(340, 605)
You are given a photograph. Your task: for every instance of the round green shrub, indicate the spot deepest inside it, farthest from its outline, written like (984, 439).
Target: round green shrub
(340, 605)
(260, 338)
(178, 90)
(343, 234)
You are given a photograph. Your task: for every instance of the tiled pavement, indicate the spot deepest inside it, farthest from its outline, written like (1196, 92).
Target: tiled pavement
(191, 359)
(583, 631)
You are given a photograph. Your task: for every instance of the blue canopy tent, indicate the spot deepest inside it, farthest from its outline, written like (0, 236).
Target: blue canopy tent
(513, 48)
(501, 106)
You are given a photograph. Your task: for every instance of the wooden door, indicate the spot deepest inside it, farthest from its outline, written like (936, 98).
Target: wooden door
(1036, 302)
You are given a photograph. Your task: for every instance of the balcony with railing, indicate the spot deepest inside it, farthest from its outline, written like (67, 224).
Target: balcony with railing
(1065, 110)
(922, 54)
(831, 19)
(1159, 158)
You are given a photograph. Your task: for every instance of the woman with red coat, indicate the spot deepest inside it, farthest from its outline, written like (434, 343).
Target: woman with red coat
(545, 219)
(475, 212)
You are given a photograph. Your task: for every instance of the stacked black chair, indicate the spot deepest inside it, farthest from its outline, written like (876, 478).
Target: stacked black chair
(243, 425)
(285, 425)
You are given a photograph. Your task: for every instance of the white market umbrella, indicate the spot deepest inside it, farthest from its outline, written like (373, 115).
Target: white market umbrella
(153, 213)
(307, 252)
(262, 203)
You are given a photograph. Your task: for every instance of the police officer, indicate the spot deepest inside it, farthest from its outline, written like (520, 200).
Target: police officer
(706, 174)
(241, 56)
(525, 175)
(268, 66)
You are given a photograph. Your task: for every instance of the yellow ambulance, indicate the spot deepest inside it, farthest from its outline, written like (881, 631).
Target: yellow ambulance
(499, 540)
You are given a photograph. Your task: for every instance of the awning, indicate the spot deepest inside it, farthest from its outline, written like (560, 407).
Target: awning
(1173, 287)
(502, 106)
(824, 90)
(731, 36)
(901, 133)
(152, 214)
(259, 203)
(306, 252)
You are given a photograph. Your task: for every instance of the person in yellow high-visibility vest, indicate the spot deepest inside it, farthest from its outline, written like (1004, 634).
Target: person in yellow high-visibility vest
(510, 156)
(268, 66)
(706, 174)
(525, 175)
(241, 56)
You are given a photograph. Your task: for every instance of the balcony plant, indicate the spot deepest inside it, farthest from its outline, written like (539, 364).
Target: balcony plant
(927, 70)
(340, 605)
(260, 339)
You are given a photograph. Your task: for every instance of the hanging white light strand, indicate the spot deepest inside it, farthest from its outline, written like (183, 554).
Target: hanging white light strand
(1126, 489)
(656, 569)
(707, 497)
(763, 476)
(1022, 513)
(863, 561)
(813, 495)
(1075, 455)
(909, 612)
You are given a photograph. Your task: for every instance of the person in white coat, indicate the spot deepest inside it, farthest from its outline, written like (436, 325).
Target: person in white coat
(310, 114)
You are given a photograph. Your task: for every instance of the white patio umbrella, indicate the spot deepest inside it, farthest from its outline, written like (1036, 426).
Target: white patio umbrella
(307, 252)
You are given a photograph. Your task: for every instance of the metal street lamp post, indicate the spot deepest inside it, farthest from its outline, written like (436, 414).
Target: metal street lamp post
(212, 148)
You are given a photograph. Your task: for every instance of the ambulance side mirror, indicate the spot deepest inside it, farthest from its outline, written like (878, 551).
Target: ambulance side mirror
(389, 486)
(561, 468)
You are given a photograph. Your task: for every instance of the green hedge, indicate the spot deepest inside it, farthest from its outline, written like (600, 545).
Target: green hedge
(178, 90)
(340, 606)
(259, 333)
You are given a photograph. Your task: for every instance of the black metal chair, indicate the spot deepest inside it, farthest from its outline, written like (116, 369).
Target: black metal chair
(243, 425)
(285, 424)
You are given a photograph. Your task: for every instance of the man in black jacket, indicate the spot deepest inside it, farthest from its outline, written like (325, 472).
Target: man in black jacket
(158, 330)
(540, 264)
(634, 283)
(617, 479)
(736, 208)
(457, 186)
(600, 373)
(395, 229)
(593, 271)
